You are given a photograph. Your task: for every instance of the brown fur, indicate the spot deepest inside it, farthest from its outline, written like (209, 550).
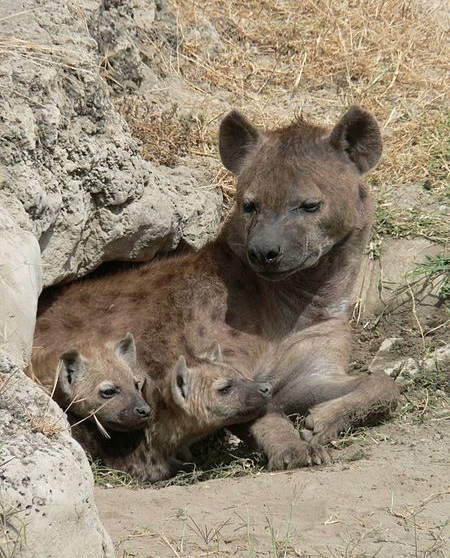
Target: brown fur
(273, 289)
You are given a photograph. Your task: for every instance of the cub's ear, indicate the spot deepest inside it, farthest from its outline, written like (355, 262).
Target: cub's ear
(237, 138)
(126, 349)
(179, 382)
(73, 369)
(214, 353)
(357, 134)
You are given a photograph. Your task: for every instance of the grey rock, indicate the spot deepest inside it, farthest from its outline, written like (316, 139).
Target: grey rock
(439, 360)
(404, 369)
(383, 282)
(75, 178)
(384, 357)
(47, 487)
(388, 345)
(20, 286)
(395, 367)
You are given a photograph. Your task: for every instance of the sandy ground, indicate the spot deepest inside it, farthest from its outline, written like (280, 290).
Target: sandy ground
(386, 495)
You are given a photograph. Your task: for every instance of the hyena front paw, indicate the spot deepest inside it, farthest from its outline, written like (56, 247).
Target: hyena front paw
(324, 424)
(299, 454)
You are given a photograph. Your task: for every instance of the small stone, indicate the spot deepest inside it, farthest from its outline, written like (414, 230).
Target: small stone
(388, 344)
(439, 360)
(383, 360)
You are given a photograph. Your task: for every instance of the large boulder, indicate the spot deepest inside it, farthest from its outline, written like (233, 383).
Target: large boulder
(74, 192)
(46, 485)
(74, 176)
(394, 282)
(46, 492)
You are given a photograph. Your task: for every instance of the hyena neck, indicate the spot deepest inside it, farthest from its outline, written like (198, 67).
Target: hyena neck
(172, 427)
(332, 281)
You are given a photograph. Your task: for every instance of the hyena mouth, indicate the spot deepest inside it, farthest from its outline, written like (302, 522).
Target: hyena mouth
(276, 275)
(125, 426)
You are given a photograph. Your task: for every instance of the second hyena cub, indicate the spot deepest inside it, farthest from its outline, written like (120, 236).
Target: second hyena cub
(101, 383)
(190, 403)
(202, 399)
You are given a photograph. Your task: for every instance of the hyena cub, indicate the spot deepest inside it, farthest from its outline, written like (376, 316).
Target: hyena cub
(101, 383)
(189, 403)
(200, 400)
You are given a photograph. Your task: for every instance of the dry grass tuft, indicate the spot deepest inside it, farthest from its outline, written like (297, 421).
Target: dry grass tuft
(169, 135)
(43, 55)
(45, 425)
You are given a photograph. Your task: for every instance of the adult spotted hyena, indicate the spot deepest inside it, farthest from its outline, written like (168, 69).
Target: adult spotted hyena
(274, 288)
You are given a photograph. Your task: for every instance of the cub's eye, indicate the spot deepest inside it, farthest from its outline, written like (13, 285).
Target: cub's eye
(108, 393)
(249, 207)
(138, 384)
(310, 207)
(225, 389)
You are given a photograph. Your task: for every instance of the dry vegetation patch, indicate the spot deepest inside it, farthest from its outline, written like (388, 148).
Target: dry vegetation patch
(274, 58)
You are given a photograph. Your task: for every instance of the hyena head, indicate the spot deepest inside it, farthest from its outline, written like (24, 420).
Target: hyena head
(213, 394)
(105, 381)
(299, 190)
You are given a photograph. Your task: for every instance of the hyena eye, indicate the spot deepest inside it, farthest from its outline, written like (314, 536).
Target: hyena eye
(249, 207)
(311, 206)
(225, 389)
(108, 393)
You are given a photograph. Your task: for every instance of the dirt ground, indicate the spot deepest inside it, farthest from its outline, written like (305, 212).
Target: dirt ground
(385, 496)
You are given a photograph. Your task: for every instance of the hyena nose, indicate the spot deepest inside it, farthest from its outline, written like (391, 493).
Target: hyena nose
(265, 389)
(143, 411)
(264, 255)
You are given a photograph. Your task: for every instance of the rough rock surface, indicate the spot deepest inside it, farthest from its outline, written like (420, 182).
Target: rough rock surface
(439, 360)
(74, 177)
(384, 281)
(46, 485)
(20, 286)
(74, 192)
(405, 368)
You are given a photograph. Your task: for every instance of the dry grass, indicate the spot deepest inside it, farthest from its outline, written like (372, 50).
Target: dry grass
(371, 51)
(169, 135)
(43, 55)
(12, 531)
(274, 58)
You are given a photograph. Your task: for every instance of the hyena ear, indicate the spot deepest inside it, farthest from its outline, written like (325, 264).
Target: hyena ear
(214, 353)
(237, 138)
(73, 368)
(180, 382)
(357, 134)
(126, 349)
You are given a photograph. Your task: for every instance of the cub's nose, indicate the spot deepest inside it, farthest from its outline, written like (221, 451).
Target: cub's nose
(143, 411)
(265, 389)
